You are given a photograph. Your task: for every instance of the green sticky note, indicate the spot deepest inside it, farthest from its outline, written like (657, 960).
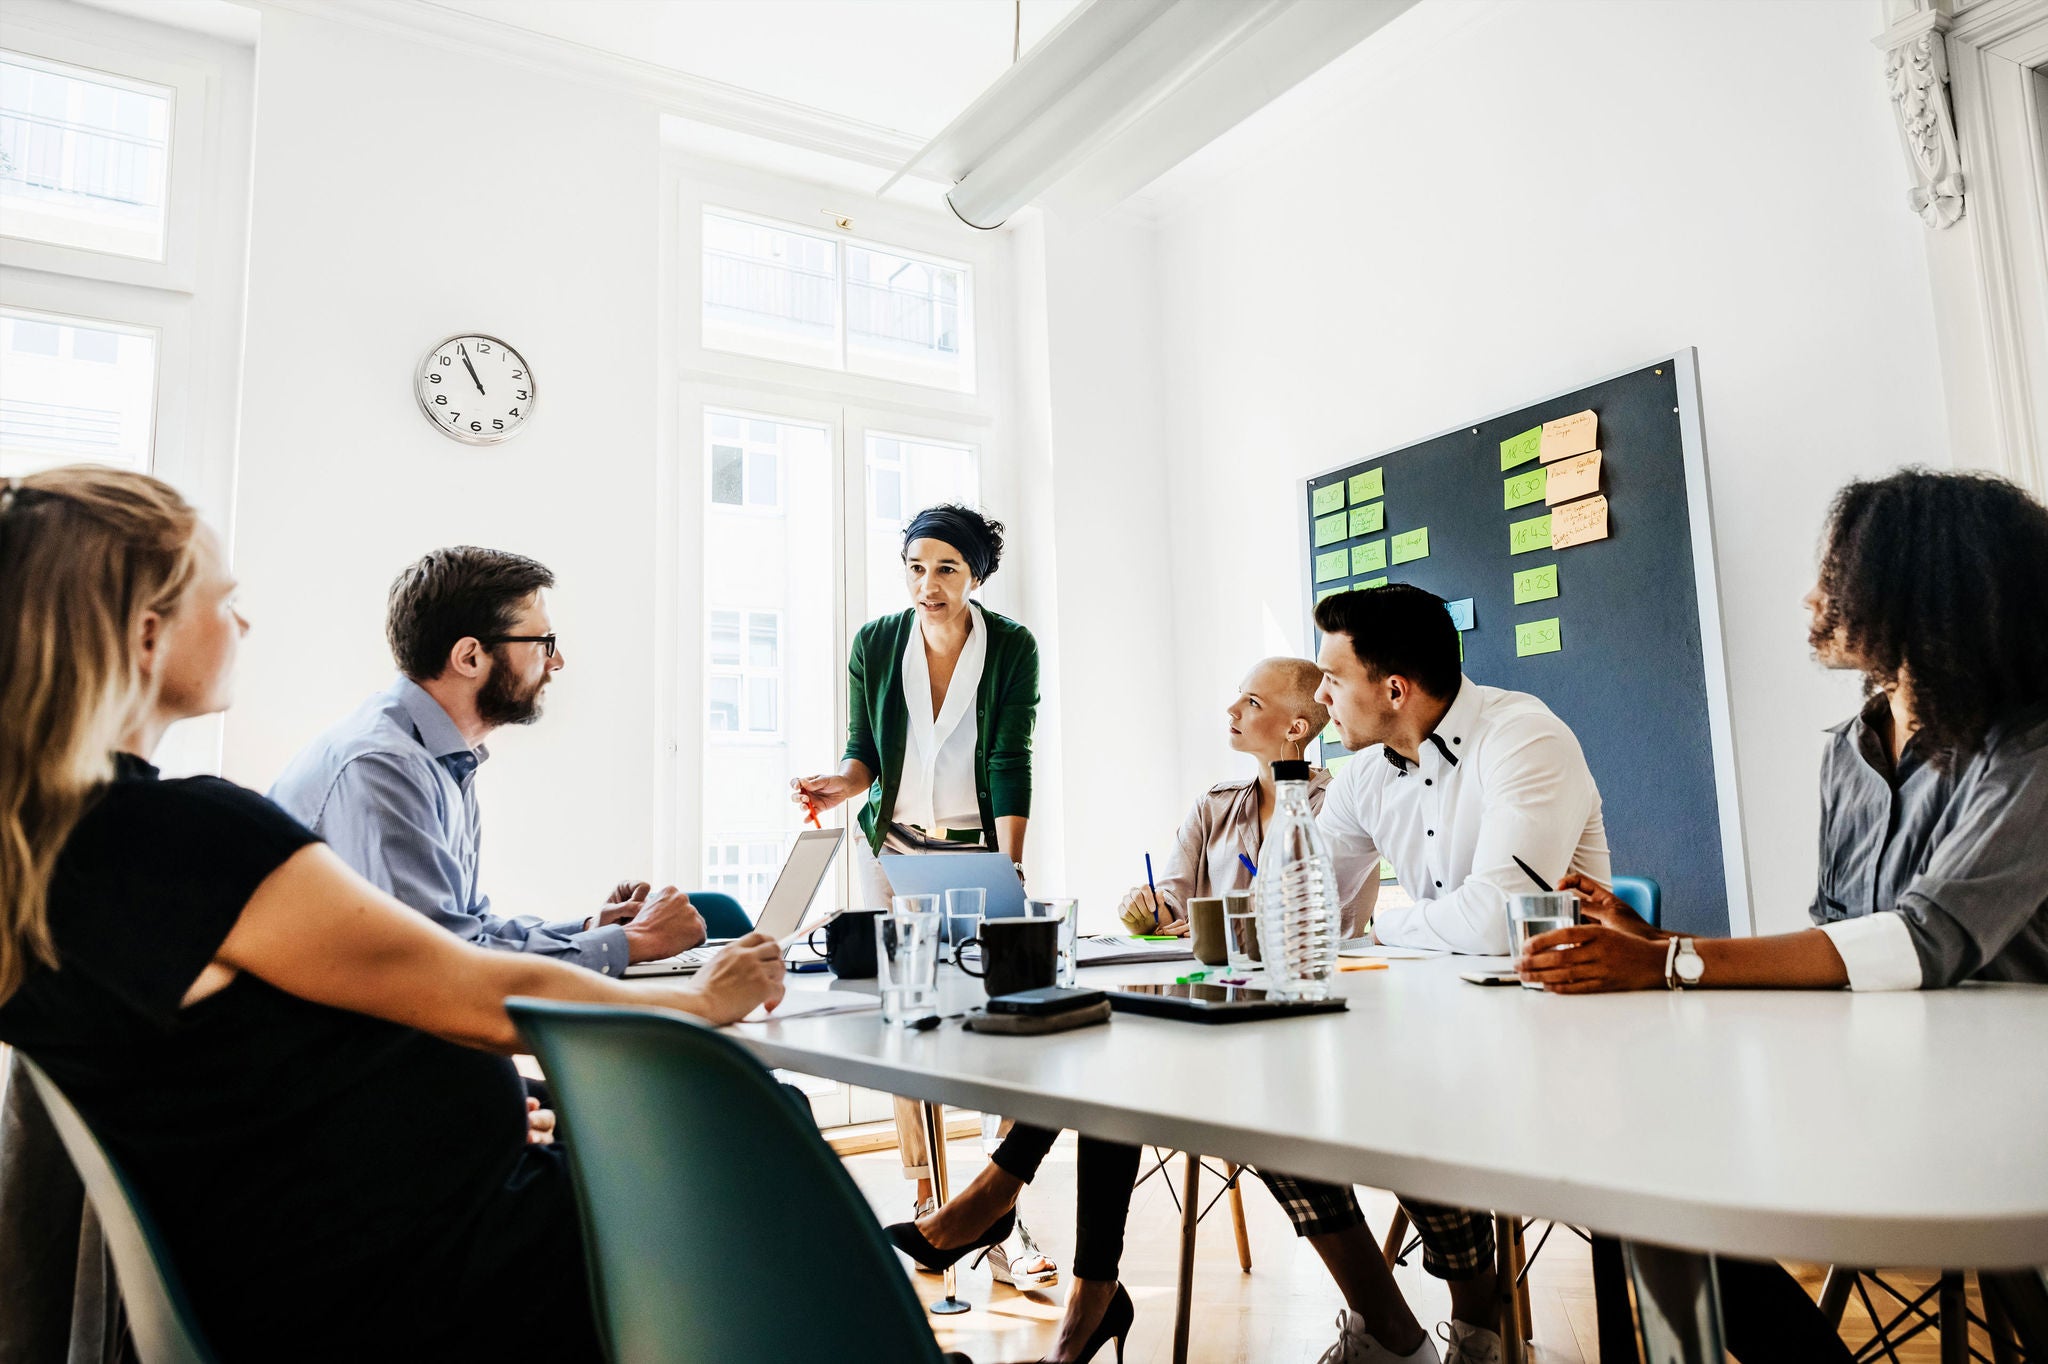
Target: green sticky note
(1329, 529)
(1336, 765)
(1327, 500)
(1368, 520)
(1535, 584)
(1522, 489)
(1411, 544)
(1538, 637)
(1369, 582)
(1330, 735)
(1330, 592)
(1367, 486)
(1386, 870)
(1534, 533)
(1521, 449)
(1332, 565)
(1369, 558)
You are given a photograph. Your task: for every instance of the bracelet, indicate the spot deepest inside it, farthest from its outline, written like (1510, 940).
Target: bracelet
(1671, 962)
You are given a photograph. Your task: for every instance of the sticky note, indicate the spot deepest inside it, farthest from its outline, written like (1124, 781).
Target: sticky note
(1521, 489)
(1534, 533)
(1367, 486)
(1323, 501)
(1461, 612)
(1411, 544)
(1369, 582)
(1577, 523)
(1369, 558)
(1329, 530)
(1330, 735)
(1571, 435)
(1330, 592)
(1536, 584)
(1574, 477)
(1386, 870)
(1521, 449)
(1538, 637)
(1368, 520)
(1332, 565)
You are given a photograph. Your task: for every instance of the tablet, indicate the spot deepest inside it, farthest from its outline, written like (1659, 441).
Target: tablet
(1206, 1003)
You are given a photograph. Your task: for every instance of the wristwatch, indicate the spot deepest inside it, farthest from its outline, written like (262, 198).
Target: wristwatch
(1683, 965)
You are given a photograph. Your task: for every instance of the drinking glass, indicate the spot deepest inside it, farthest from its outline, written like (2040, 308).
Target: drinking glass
(907, 958)
(1535, 912)
(964, 909)
(1241, 932)
(1068, 912)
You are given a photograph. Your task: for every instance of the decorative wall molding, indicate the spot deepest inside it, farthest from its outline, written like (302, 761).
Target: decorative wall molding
(1916, 72)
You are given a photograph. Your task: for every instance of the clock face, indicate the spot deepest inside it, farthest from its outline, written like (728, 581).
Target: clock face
(476, 389)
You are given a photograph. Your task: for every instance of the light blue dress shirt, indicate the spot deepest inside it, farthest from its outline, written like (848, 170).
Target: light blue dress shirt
(392, 789)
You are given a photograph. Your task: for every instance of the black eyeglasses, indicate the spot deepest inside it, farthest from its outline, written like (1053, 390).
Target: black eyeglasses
(546, 642)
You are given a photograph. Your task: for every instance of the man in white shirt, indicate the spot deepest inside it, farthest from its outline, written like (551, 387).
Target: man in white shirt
(1452, 781)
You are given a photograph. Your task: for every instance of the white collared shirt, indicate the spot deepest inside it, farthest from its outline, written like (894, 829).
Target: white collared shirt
(938, 789)
(1501, 777)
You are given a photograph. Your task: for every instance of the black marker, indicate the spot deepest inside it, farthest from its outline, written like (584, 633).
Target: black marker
(1530, 872)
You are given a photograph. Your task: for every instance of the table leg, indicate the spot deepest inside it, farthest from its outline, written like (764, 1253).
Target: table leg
(1514, 1346)
(1190, 1215)
(2004, 1349)
(935, 1144)
(1679, 1304)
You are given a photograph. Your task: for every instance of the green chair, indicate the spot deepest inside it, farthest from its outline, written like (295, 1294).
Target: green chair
(159, 1314)
(723, 917)
(704, 1193)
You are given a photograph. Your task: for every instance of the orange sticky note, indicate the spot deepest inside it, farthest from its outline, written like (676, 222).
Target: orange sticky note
(1576, 523)
(1576, 476)
(1573, 435)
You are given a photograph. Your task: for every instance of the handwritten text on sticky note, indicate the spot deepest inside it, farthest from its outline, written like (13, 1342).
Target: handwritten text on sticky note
(1411, 544)
(1577, 523)
(1536, 584)
(1461, 612)
(1327, 500)
(1571, 435)
(1329, 529)
(1369, 558)
(1521, 449)
(1368, 520)
(1367, 486)
(1332, 565)
(1538, 637)
(1533, 533)
(1519, 490)
(1577, 476)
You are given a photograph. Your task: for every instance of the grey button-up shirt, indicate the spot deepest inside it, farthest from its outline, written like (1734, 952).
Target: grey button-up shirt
(1959, 858)
(392, 789)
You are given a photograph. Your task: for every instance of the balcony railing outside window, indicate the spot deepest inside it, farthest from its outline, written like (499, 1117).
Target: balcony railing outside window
(83, 162)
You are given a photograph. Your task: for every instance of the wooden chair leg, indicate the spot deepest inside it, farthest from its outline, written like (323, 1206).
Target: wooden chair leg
(1190, 1216)
(1397, 1234)
(1521, 1286)
(1955, 1320)
(1244, 1240)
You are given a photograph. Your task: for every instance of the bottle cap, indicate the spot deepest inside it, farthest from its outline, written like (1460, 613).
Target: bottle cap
(1291, 769)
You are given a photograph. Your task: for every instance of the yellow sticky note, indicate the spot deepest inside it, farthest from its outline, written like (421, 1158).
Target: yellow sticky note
(1576, 476)
(1332, 565)
(1536, 584)
(1369, 582)
(1369, 558)
(1330, 592)
(1533, 533)
(1521, 449)
(1386, 870)
(1576, 523)
(1323, 501)
(1368, 520)
(1411, 544)
(1519, 490)
(1538, 637)
(1367, 486)
(1329, 529)
(1571, 435)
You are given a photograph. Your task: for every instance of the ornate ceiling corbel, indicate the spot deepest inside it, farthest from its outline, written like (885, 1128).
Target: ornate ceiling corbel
(1916, 72)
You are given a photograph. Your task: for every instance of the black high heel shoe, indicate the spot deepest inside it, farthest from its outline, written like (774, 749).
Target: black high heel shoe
(931, 1259)
(1115, 1325)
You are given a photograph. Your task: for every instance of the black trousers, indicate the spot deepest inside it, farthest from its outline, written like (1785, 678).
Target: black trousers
(1102, 1192)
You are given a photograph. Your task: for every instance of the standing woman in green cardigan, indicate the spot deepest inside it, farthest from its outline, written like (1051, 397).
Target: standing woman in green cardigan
(941, 700)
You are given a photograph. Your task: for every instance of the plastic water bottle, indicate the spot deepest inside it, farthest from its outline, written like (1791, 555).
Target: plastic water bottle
(1299, 917)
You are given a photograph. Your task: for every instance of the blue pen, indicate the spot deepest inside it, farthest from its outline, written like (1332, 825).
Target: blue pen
(1249, 869)
(1154, 889)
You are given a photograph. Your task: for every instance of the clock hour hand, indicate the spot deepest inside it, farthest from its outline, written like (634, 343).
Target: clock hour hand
(463, 351)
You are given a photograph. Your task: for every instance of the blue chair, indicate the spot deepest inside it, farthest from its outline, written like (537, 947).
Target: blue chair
(1639, 893)
(723, 917)
(697, 1179)
(159, 1314)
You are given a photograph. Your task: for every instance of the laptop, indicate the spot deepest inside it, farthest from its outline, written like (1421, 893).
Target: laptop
(935, 873)
(803, 871)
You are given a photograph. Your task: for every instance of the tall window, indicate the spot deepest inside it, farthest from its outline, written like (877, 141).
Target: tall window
(904, 476)
(777, 291)
(73, 390)
(744, 689)
(743, 867)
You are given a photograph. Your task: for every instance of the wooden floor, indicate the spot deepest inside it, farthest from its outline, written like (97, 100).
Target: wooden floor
(1281, 1312)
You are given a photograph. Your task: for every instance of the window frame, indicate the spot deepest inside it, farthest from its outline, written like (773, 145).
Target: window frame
(747, 672)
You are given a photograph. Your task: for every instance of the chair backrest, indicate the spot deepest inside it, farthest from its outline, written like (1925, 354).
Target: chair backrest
(1639, 893)
(159, 1314)
(719, 1225)
(723, 917)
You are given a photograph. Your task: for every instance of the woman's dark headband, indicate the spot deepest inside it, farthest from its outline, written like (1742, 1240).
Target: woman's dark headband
(979, 540)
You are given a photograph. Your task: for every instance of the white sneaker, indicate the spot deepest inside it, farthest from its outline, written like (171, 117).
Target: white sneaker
(1469, 1344)
(1355, 1345)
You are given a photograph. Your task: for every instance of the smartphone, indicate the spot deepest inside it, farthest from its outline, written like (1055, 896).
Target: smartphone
(1491, 977)
(1053, 999)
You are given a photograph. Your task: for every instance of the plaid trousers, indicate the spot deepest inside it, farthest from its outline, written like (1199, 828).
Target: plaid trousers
(1456, 1244)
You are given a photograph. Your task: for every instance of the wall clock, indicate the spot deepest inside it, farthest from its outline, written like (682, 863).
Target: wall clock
(476, 388)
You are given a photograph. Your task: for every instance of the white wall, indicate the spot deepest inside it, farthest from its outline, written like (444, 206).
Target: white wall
(1491, 202)
(404, 192)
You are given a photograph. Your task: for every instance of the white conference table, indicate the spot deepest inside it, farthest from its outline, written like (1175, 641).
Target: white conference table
(1866, 1130)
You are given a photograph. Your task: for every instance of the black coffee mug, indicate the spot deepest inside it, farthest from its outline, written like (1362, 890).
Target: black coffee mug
(1016, 954)
(849, 948)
